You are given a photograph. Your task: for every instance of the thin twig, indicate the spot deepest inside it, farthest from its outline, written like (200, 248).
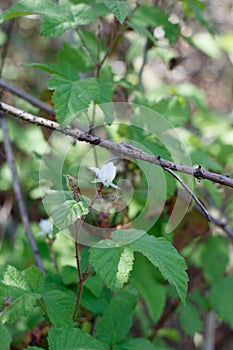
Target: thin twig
(78, 225)
(222, 225)
(26, 96)
(122, 149)
(18, 192)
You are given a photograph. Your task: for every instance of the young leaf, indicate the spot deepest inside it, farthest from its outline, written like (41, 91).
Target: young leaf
(125, 265)
(69, 338)
(5, 337)
(164, 256)
(117, 317)
(68, 212)
(70, 96)
(120, 9)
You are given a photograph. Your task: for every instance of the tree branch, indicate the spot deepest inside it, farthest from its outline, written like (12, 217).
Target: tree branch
(121, 149)
(26, 96)
(219, 223)
(18, 192)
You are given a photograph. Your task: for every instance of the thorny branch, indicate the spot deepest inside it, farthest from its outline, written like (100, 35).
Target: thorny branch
(122, 149)
(223, 225)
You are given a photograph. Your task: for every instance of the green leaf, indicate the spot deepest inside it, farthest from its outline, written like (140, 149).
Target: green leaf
(125, 265)
(143, 277)
(117, 318)
(152, 16)
(135, 344)
(59, 307)
(68, 338)
(65, 18)
(94, 304)
(35, 279)
(215, 258)
(175, 109)
(120, 9)
(69, 274)
(105, 262)
(197, 8)
(221, 299)
(21, 306)
(113, 259)
(68, 212)
(57, 18)
(190, 319)
(5, 337)
(163, 255)
(70, 97)
(71, 61)
(28, 7)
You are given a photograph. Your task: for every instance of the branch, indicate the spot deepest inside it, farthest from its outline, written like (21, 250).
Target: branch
(26, 96)
(18, 192)
(121, 149)
(217, 222)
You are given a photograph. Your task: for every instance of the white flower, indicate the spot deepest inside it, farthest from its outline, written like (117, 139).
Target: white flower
(105, 175)
(46, 227)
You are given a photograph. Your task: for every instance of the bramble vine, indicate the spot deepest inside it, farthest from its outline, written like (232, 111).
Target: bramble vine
(115, 254)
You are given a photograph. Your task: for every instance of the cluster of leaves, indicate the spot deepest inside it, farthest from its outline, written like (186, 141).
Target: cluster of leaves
(126, 270)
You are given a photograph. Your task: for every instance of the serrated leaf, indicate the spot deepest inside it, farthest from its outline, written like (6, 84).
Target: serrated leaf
(68, 212)
(68, 338)
(105, 262)
(67, 17)
(163, 255)
(57, 18)
(14, 279)
(117, 317)
(221, 299)
(120, 9)
(21, 306)
(35, 279)
(135, 344)
(59, 306)
(70, 97)
(5, 337)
